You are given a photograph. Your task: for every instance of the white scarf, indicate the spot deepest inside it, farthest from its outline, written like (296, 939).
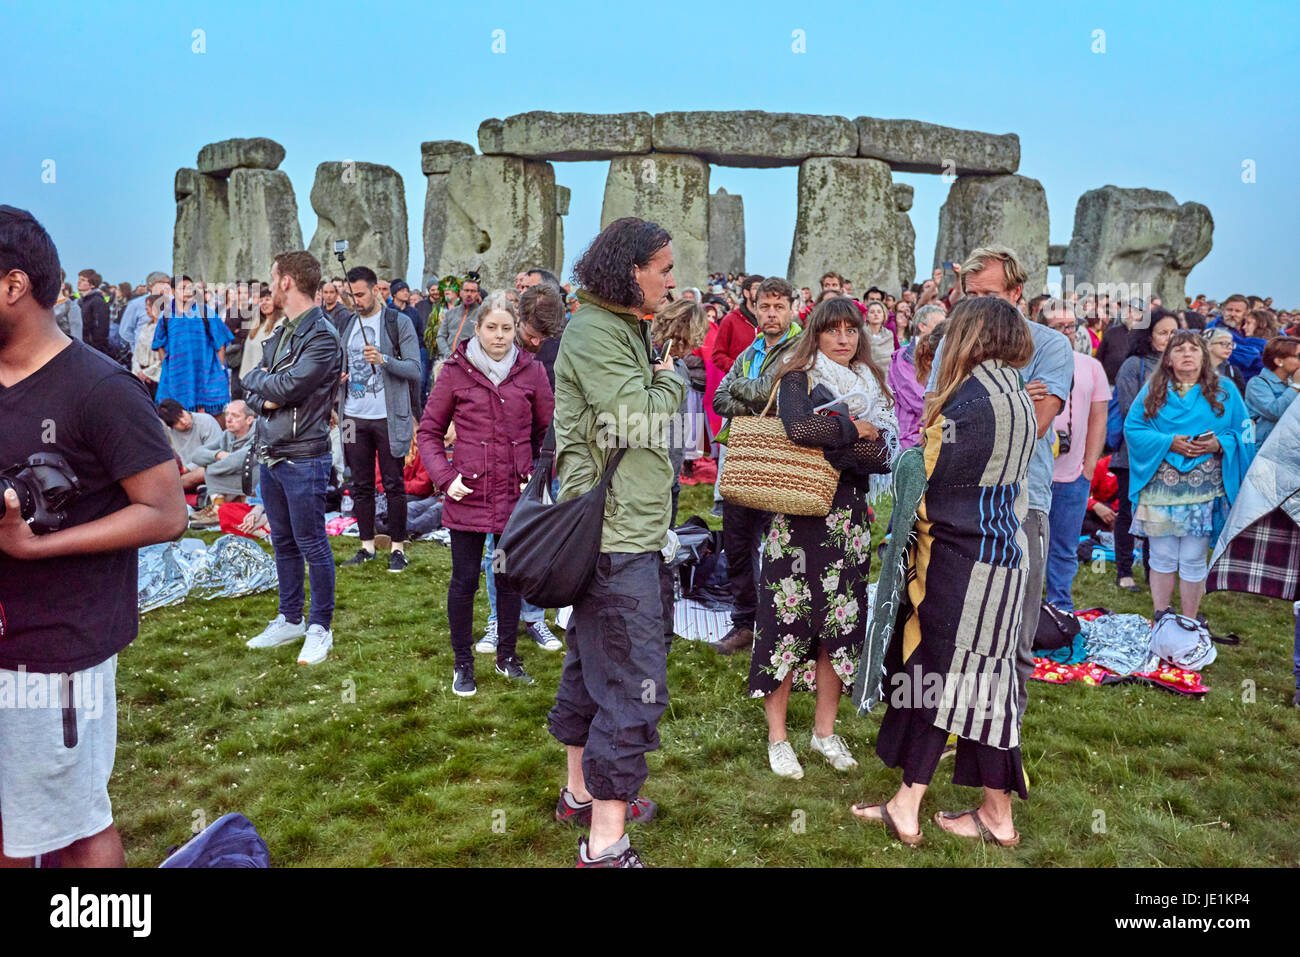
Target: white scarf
(842, 380)
(496, 370)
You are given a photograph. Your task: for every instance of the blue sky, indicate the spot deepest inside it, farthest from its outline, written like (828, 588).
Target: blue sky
(1184, 93)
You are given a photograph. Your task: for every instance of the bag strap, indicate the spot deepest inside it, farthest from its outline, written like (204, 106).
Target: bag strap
(776, 388)
(546, 459)
(390, 325)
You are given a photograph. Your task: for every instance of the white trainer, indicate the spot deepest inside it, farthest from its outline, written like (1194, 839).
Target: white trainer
(836, 752)
(278, 632)
(487, 645)
(784, 764)
(317, 646)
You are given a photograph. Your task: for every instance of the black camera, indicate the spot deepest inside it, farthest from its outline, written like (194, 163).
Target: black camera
(1063, 440)
(46, 488)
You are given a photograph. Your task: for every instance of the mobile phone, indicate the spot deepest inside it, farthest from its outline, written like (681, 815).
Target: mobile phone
(663, 350)
(1204, 436)
(948, 265)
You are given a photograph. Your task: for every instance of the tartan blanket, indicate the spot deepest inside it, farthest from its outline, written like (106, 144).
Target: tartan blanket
(1262, 559)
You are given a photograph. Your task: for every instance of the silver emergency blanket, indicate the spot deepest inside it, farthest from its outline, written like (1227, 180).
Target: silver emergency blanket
(1272, 481)
(231, 566)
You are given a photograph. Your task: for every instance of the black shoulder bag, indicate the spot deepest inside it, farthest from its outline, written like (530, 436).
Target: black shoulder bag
(549, 550)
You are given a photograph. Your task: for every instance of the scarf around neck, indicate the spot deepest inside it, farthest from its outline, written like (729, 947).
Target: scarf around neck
(842, 380)
(495, 370)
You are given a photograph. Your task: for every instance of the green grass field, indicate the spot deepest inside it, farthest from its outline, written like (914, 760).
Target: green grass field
(369, 759)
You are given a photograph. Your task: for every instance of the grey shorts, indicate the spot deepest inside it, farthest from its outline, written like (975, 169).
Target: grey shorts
(58, 739)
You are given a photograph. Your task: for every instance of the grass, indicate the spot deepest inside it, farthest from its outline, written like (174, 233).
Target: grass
(370, 760)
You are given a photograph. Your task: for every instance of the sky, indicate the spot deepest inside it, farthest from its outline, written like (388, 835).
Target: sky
(104, 102)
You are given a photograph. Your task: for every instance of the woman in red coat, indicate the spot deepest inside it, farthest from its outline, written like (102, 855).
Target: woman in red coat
(501, 404)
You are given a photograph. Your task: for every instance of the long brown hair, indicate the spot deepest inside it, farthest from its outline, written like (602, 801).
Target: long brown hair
(834, 313)
(926, 347)
(979, 328)
(1158, 385)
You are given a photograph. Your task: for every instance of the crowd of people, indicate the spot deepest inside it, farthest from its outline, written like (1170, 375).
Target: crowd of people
(1033, 423)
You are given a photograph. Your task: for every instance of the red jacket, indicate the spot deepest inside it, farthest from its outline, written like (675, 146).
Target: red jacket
(415, 479)
(736, 333)
(499, 432)
(1105, 487)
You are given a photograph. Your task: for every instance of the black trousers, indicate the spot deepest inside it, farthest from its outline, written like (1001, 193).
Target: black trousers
(363, 440)
(1123, 538)
(614, 686)
(466, 568)
(742, 533)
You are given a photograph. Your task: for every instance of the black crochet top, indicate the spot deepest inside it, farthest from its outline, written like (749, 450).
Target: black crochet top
(837, 435)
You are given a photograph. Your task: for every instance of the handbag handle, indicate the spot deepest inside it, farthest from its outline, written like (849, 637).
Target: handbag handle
(775, 388)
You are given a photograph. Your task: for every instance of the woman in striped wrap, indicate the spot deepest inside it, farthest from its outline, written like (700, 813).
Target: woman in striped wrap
(951, 661)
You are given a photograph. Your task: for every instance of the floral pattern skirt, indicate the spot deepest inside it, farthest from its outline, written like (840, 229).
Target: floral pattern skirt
(812, 595)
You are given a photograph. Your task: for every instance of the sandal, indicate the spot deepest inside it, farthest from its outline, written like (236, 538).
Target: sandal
(911, 840)
(985, 835)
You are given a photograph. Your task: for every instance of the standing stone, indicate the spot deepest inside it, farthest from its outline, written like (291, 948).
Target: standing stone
(846, 222)
(726, 233)
(996, 210)
(562, 197)
(754, 138)
(202, 233)
(1056, 254)
(364, 203)
(911, 146)
(1137, 236)
(220, 159)
(903, 195)
(671, 190)
(436, 158)
(497, 216)
(263, 220)
(566, 137)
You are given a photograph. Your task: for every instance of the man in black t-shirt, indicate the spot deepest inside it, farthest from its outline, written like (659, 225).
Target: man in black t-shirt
(68, 596)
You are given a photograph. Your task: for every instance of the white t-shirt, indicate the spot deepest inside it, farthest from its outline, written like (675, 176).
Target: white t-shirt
(365, 398)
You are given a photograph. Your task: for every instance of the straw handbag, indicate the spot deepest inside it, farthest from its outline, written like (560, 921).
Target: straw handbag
(763, 469)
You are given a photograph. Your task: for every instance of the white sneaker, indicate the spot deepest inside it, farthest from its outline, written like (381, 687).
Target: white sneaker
(836, 752)
(317, 646)
(487, 645)
(784, 764)
(278, 632)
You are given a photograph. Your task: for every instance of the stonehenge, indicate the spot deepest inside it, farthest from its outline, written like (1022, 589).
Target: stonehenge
(234, 212)
(1136, 237)
(497, 209)
(364, 203)
(726, 233)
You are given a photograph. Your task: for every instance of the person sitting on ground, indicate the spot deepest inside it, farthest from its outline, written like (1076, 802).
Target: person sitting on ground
(223, 464)
(189, 432)
(1189, 448)
(1271, 393)
(1103, 500)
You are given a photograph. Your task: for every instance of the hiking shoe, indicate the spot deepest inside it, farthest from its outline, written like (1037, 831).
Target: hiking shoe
(487, 645)
(397, 562)
(784, 764)
(836, 752)
(205, 517)
(361, 556)
(545, 638)
(739, 638)
(513, 669)
(618, 854)
(462, 682)
(317, 646)
(278, 632)
(568, 810)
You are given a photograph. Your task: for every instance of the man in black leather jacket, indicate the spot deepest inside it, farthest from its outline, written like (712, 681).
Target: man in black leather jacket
(293, 392)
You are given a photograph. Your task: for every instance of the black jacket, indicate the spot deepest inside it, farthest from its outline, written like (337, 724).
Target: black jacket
(305, 383)
(94, 321)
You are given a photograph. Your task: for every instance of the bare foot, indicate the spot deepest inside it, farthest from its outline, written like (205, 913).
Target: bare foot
(965, 826)
(907, 824)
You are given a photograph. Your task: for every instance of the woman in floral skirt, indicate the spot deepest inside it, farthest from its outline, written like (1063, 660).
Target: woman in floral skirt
(812, 609)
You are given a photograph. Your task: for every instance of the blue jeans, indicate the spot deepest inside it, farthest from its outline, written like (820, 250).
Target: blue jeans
(1065, 523)
(293, 494)
(529, 613)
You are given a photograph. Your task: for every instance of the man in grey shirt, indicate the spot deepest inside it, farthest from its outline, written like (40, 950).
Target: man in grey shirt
(188, 432)
(995, 271)
(458, 322)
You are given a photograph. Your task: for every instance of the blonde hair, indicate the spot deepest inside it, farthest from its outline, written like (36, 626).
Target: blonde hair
(1013, 273)
(496, 302)
(979, 328)
(684, 322)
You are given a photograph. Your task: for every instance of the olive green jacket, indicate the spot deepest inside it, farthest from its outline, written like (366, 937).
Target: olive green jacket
(608, 396)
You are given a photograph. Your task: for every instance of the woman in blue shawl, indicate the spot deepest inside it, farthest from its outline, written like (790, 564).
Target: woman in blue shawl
(1190, 441)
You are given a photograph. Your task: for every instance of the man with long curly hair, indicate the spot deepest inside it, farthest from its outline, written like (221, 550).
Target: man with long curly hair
(610, 391)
